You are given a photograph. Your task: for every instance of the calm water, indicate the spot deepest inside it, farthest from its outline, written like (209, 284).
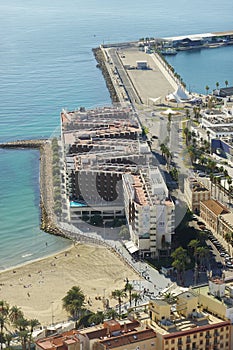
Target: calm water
(46, 63)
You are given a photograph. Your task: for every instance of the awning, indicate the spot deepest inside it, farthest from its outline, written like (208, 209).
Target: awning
(131, 247)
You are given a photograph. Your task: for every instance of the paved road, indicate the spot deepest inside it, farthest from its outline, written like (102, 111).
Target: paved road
(124, 77)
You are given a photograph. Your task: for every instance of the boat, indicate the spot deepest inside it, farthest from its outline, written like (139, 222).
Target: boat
(168, 51)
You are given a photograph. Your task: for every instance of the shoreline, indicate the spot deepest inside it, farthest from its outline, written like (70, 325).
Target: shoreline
(96, 270)
(18, 266)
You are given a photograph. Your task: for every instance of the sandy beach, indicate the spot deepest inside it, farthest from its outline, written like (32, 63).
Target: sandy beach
(38, 288)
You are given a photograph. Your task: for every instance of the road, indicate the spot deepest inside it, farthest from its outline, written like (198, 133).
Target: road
(133, 96)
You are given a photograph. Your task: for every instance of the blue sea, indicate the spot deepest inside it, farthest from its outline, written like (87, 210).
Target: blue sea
(46, 64)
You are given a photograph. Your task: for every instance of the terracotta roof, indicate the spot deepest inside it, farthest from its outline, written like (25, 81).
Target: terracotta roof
(58, 341)
(216, 207)
(128, 338)
(102, 332)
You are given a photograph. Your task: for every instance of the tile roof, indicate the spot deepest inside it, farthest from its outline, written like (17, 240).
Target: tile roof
(128, 338)
(58, 341)
(216, 207)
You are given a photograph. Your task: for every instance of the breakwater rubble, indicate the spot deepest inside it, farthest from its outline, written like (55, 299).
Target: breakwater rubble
(48, 220)
(99, 56)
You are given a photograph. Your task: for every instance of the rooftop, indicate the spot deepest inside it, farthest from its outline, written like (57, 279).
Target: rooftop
(128, 338)
(228, 219)
(56, 341)
(214, 206)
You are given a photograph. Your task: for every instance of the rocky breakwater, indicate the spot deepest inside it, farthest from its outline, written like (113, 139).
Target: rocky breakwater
(48, 218)
(101, 63)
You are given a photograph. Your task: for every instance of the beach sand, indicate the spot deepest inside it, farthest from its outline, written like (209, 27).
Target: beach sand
(38, 287)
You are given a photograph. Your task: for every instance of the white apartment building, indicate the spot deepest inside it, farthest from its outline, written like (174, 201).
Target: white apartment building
(149, 212)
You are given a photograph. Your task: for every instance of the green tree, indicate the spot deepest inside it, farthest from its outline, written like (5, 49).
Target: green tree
(111, 314)
(203, 254)
(180, 261)
(136, 297)
(32, 324)
(129, 288)
(74, 301)
(119, 294)
(207, 89)
(217, 85)
(22, 325)
(4, 312)
(15, 313)
(96, 318)
(194, 244)
(226, 83)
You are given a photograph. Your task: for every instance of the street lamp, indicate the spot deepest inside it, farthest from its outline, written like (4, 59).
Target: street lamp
(52, 312)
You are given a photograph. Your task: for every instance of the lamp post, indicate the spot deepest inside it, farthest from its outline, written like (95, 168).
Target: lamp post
(52, 312)
(104, 229)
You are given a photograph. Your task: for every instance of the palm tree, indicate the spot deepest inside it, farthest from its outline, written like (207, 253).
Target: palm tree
(129, 288)
(187, 113)
(15, 313)
(111, 314)
(32, 324)
(186, 131)
(22, 329)
(136, 297)
(4, 311)
(194, 244)
(203, 253)
(74, 301)
(180, 260)
(226, 83)
(207, 89)
(96, 318)
(163, 148)
(119, 294)
(211, 165)
(217, 85)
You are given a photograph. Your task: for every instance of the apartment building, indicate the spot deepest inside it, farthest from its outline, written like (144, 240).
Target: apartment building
(149, 211)
(181, 324)
(210, 212)
(195, 192)
(105, 159)
(119, 335)
(223, 147)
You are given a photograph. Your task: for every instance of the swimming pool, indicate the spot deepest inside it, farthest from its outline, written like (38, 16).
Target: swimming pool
(77, 204)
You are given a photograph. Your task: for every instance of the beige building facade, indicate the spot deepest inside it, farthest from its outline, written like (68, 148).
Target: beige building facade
(195, 193)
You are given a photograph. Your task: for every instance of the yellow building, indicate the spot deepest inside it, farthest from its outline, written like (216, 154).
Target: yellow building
(182, 325)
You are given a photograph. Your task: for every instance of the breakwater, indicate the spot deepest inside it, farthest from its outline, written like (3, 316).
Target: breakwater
(99, 56)
(48, 222)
